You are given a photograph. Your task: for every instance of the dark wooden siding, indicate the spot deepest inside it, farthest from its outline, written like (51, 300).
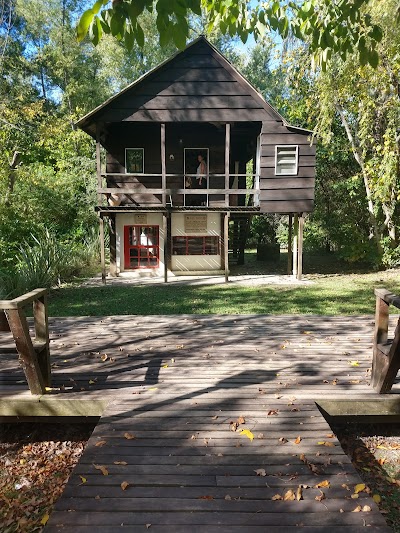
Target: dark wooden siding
(196, 86)
(286, 194)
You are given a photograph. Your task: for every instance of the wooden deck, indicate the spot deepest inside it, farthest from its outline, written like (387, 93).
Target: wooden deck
(175, 388)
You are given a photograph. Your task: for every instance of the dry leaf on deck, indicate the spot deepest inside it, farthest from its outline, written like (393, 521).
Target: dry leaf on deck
(102, 469)
(282, 440)
(357, 509)
(129, 436)
(324, 484)
(366, 509)
(299, 493)
(104, 357)
(120, 463)
(148, 525)
(272, 412)
(233, 426)
(83, 479)
(214, 417)
(124, 485)
(277, 497)
(248, 433)
(227, 497)
(289, 495)
(359, 488)
(354, 363)
(320, 497)
(207, 497)
(298, 440)
(377, 498)
(241, 420)
(260, 472)
(100, 443)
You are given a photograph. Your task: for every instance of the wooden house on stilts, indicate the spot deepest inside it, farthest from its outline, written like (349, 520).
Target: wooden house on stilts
(177, 144)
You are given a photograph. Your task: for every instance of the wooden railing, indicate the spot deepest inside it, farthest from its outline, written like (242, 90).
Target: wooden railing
(386, 356)
(34, 355)
(175, 185)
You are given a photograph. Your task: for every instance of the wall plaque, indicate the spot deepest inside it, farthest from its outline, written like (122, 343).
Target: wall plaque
(195, 223)
(141, 219)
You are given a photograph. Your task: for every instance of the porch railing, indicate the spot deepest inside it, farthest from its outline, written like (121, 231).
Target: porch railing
(181, 189)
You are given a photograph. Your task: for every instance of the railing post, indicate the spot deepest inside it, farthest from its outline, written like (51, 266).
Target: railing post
(42, 336)
(227, 155)
(163, 166)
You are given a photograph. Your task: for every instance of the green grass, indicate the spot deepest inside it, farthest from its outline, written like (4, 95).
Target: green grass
(329, 294)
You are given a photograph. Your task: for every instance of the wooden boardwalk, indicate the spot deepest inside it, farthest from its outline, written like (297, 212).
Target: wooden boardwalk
(180, 392)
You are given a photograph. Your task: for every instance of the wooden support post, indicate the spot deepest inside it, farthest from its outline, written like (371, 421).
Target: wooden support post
(227, 156)
(27, 355)
(226, 246)
(295, 244)
(163, 166)
(102, 251)
(300, 248)
(4, 322)
(165, 232)
(113, 247)
(42, 336)
(235, 243)
(289, 245)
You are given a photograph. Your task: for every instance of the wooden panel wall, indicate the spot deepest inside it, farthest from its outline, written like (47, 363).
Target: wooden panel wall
(193, 87)
(286, 194)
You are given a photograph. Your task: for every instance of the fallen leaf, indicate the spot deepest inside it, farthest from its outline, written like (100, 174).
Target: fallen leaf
(289, 495)
(323, 484)
(248, 433)
(260, 436)
(377, 498)
(282, 440)
(129, 436)
(354, 496)
(366, 509)
(272, 412)
(124, 485)
(277, 497)
(92, 381)
(44, 519)
(207, 497)
(330, 436)
(100, 443)
(227, 497)
(260, 472)
(104, 357)
(103, 469)
(165, 366)
(233, 426)
(148, 525)
(214, 417)
(299, 493)
(320, 497)
(97, 497)
(298, 440)
(359, 488)
(241, 420)
(354, 363)
(357, 509)
(326, 443)
(120, 463)
(83, 479)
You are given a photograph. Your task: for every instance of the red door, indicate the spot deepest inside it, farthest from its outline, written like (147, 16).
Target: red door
(141, 247)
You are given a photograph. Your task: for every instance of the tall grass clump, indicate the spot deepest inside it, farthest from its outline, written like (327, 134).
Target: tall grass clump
(46, 261)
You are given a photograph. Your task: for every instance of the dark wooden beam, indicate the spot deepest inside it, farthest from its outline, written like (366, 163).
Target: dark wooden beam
(113, 247)
(163, 165)
(227, 154)
(300, 248)
(165, 232)
(226, 246)
(295, 244)
(102, 251)
(289, 246)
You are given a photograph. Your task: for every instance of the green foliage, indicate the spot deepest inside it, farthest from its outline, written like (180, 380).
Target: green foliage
(328, 27)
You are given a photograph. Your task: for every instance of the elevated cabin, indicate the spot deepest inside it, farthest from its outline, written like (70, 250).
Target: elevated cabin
(178, 143)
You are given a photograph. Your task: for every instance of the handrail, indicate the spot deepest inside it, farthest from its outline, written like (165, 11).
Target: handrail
(120, 190)
(388, 297)
(24, 300)
(181, 175)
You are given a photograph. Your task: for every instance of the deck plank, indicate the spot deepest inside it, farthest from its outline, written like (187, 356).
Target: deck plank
(175, 384)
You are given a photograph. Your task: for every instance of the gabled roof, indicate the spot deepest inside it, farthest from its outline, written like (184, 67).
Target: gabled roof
(116, 108)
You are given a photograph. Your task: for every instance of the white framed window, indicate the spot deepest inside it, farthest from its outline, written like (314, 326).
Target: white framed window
(286, 160)
(134, 160)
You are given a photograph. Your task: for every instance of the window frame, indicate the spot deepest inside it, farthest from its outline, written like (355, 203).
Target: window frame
(295, 169)
(128, 247)
(216, 239)
(126, 152)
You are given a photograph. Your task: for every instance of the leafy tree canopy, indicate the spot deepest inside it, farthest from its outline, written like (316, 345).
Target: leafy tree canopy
(328, 26)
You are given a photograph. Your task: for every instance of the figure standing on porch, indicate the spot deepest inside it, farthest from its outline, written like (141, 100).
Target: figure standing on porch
(201, 177)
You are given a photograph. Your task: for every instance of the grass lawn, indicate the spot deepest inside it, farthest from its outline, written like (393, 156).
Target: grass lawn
(346, 293)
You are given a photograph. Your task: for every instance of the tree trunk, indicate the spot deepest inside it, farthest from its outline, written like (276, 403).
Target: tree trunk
(11, 176)
(360, 160)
